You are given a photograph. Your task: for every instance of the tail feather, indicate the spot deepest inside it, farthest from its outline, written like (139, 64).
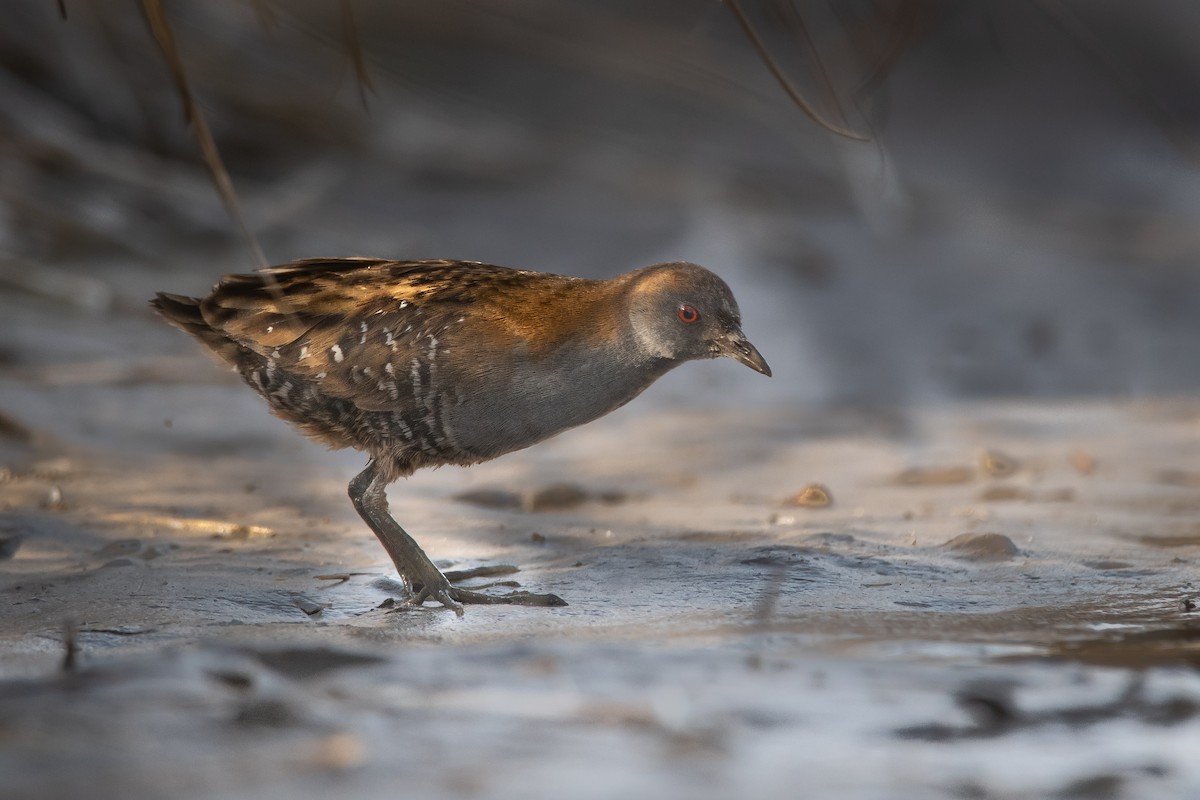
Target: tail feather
(184, 313)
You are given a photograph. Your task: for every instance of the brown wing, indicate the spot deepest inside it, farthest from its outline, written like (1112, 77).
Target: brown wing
(275, 306)
(365, 330)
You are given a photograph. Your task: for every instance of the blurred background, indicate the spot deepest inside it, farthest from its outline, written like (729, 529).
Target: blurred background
(1021, 222)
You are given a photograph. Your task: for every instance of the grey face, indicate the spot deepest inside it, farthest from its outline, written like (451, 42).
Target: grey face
(684, 312)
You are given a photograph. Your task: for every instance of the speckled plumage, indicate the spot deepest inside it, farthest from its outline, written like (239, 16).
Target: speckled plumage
(424, 363)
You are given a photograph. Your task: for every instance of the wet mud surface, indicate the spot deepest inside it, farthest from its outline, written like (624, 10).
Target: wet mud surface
(862, 603)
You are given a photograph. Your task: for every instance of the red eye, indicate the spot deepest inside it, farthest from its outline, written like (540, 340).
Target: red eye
(688, 314)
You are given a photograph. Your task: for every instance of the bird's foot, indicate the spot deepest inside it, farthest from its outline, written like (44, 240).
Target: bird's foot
(439, 588)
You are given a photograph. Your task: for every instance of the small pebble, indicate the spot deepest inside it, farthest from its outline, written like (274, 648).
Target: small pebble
(54, 498)
(1083, 462)
(982, 547)
(812, 496)
(998, 465)
(340, 751)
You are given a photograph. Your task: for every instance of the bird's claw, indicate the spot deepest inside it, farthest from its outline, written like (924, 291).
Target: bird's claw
(444, 597)
(438, 591)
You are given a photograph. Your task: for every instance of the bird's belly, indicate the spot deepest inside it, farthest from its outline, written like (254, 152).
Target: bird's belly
(535, 404)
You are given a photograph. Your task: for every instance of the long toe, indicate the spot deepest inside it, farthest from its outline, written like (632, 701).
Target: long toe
(511, 599)
(444, 597)
(488, 571)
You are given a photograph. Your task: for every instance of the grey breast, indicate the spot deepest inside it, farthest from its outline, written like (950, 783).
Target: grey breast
(536, 398)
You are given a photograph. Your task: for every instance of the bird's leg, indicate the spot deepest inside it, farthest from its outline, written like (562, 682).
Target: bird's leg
(368, 493)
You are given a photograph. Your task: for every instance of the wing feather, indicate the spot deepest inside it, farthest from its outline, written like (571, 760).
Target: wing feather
(365, 330)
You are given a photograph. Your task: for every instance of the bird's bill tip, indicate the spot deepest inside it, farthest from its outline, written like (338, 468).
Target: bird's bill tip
(739, 349)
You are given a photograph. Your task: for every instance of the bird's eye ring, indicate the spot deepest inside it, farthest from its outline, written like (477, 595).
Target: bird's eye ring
(688, 314)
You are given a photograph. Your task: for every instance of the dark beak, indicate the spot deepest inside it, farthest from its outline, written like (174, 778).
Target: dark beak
(735, 345)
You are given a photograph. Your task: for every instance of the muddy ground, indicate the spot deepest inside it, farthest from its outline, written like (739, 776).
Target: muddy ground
(989, 584)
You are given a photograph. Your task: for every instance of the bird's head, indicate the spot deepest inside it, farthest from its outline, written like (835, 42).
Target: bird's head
(681, 311)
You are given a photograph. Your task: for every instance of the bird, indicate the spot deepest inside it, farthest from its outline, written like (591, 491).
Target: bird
(429, 363)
